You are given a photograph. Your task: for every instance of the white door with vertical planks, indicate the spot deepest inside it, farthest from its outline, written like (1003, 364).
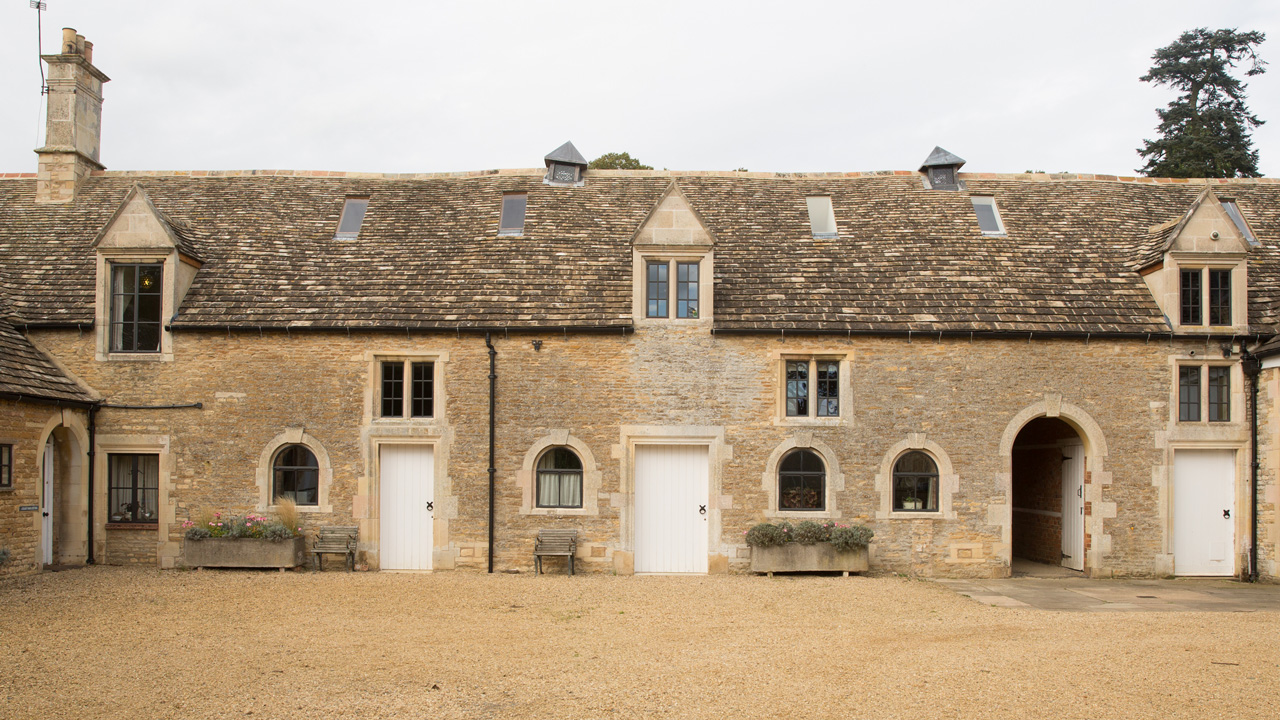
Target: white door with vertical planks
(406, 488)
(672, 508)
(1203, 510)
(1073, 507)
(46, 506)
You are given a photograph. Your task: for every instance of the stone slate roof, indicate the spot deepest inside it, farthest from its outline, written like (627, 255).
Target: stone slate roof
(428, 255)
(25, 371)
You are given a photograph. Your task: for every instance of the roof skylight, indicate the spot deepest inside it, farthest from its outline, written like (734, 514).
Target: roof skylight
(822, 218)
(984, 206)
(352, 217)
(512, 221)
(1233, 212)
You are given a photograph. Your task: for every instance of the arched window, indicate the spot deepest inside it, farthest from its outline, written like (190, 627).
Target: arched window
(296, 475)
(559, 479)
(915, 483)
(802, 481)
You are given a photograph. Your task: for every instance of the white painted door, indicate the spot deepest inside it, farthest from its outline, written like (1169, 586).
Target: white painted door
(1073, 507)
(1204, 512)
(406, 489)
(672, 509)
(46, 506)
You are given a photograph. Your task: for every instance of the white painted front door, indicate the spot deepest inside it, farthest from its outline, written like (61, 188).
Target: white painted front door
(406, 489)
(46, 506)
(1073, 507)
(672, 509)
(1204, 512)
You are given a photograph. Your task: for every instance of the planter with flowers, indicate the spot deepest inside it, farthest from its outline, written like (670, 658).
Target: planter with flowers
(809, 547)
(249, 541)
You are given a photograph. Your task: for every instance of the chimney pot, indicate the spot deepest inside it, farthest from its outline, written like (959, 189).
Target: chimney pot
(88, 52)
(68, 41)
(79, 44)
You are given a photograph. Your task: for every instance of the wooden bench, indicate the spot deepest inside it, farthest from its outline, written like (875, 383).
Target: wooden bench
(335, 540)
(554, 542)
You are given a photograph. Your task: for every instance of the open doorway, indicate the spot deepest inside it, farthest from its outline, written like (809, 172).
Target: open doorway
(1048, 495)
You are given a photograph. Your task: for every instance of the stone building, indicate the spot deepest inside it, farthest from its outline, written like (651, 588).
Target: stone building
(977, 366)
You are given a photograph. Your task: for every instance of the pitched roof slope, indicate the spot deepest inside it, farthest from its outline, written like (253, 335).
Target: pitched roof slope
(26, 371)
(428, 255)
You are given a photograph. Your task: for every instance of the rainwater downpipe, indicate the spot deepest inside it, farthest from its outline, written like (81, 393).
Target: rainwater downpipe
(493, 380)
(1252, 367)
(93, 413)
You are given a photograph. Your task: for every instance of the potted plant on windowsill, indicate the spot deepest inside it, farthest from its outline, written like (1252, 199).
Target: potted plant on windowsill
(249, 541)
(809, 547)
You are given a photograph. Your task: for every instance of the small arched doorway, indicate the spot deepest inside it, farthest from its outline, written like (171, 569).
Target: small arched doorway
(1048, 494)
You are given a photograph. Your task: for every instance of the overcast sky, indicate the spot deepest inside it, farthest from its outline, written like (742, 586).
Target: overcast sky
(390, 86)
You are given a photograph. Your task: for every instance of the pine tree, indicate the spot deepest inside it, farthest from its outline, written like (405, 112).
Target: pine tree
(1205, 131)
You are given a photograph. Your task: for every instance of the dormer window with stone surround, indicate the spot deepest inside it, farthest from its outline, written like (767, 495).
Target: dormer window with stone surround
(673, 265)
(1200, 280)
(136, 301)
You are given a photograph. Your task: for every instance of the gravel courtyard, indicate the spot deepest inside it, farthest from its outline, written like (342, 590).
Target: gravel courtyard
(128, 643)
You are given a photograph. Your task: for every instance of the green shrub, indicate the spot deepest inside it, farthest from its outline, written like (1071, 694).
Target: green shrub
(195, 532)
(766, 535)
(277, 531)
(849, 537)
(808, 532)
(249, 526)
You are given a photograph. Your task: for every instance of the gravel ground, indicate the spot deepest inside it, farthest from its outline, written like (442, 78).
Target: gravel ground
(129, 643)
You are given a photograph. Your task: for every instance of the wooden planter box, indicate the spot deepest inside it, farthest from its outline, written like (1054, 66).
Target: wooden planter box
(244, 553)
(819, 557)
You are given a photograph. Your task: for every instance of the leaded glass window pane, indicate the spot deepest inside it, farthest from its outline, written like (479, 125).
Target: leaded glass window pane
(1189, 393)
(1190, 296)
(797, 388)
(392, 389)
(133, 488)
(802, 482)
(1219, 297)
(6, 466)
(687, 290)
(656, 289)
(828, 388)
(1219, 394)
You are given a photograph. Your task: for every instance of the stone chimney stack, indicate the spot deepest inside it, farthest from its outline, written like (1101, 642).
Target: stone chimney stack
(73, 128)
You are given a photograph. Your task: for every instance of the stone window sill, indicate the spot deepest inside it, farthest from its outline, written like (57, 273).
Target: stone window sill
(132, 526)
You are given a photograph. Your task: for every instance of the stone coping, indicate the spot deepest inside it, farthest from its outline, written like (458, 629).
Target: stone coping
(537, 172)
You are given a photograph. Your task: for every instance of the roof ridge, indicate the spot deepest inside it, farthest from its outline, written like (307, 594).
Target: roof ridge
(539, 172)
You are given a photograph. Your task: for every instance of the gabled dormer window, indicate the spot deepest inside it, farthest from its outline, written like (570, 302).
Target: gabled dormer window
(1233, 212)
(136, 300)
(984, 206)
(822, 218)
(352, 217)
(512, 221)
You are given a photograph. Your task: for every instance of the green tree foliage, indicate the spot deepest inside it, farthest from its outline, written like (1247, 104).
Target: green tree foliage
(617, 161)
(1205, 131)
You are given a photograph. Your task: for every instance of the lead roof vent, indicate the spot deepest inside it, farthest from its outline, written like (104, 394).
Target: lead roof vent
(564, 166)
(940, 170)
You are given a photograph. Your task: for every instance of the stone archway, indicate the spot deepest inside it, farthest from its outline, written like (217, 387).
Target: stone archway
(67, 432)
(1039, 431)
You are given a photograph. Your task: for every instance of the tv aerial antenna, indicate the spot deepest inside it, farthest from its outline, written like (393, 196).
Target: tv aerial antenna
(39, 7)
